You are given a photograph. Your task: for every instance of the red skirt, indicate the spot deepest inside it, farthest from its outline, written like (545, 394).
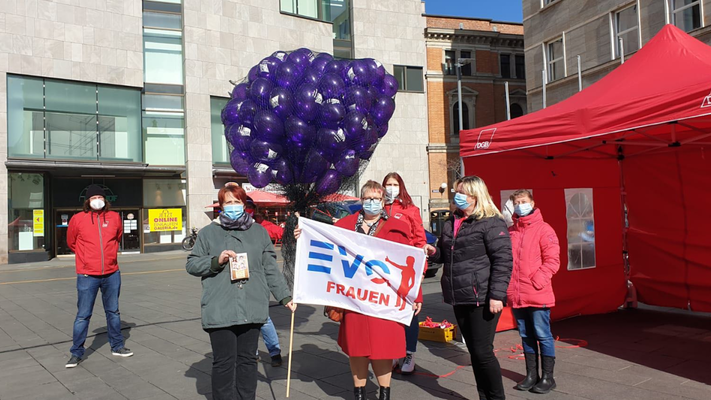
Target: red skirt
(375, 338)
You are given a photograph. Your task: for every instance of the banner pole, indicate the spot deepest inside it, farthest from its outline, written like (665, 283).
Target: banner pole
(291, 346)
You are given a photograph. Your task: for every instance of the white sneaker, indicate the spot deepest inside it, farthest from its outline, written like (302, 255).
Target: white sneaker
(408, 364)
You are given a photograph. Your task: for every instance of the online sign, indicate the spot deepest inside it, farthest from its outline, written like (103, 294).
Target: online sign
(341, 268)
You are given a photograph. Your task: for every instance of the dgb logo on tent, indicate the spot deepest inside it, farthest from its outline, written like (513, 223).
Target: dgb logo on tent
(486, 136)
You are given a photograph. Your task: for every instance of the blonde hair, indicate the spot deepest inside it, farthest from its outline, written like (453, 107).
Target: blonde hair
(371, 186)
(476, 188)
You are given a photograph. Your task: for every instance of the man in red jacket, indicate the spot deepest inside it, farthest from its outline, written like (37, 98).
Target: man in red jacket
(536, 256)
(93, 235)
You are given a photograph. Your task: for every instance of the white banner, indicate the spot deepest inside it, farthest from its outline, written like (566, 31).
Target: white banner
(341, 268)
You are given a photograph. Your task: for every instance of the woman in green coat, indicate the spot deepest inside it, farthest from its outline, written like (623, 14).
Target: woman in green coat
(236, 260)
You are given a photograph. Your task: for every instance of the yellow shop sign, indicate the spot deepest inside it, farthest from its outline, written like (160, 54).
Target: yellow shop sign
(165, 219)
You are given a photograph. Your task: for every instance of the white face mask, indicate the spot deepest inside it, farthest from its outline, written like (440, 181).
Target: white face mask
(97, 204)
(391, 193)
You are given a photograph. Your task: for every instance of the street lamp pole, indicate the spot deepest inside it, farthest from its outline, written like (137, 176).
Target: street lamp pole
(459, 64)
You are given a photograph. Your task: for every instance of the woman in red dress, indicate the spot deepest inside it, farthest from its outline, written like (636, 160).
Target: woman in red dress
(369, 340)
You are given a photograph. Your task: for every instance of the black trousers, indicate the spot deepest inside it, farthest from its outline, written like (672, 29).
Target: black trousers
(234, 366)
(478, 327)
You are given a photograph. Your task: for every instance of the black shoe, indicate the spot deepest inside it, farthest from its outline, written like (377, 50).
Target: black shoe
(276, 360)
(359, 393)
(73, 362)
(384, 393)
(532, 376)
(547, 383)
(122, 352)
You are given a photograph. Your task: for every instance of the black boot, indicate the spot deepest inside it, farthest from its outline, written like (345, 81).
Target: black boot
(384, 393)
(532, 376)
(359, 393)
(547, 383)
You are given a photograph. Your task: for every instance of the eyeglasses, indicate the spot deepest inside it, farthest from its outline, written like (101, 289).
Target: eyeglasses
(372, 199)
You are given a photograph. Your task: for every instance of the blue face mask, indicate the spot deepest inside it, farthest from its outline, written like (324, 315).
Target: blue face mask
(372, 207)
(233, 211)
(460, 200)
(523, 209)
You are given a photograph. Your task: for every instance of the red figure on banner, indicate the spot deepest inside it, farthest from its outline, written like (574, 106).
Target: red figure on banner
(407, 281)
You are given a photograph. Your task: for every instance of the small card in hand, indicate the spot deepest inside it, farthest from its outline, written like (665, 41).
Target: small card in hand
(239, 267)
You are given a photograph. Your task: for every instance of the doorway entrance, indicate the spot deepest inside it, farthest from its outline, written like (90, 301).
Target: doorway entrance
(130, 241)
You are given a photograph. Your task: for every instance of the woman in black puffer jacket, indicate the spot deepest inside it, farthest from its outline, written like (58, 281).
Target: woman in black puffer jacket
(475, 249)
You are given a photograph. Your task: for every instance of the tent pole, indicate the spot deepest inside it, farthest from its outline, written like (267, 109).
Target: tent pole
(508, 101)
(543, 74)
(580, 76)
(622, 51)
(666, 11)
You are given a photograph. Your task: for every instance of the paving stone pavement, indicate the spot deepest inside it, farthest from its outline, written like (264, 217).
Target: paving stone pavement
(634, 354)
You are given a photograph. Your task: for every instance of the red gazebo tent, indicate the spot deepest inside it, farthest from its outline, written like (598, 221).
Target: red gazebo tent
(638, 141)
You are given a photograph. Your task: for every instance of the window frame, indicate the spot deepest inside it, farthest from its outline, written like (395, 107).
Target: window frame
(501, 68)
(673, 11)
(562, 58)
(615, 29)
(589, 194)
(405, 69)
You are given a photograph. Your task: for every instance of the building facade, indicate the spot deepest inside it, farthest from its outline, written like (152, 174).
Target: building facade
(493, 55)
(557, 32)
(127, 94)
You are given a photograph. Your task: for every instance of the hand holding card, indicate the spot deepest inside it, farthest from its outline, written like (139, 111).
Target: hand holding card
(239, 267)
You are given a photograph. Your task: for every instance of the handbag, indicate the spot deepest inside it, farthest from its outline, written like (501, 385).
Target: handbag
(335, 314)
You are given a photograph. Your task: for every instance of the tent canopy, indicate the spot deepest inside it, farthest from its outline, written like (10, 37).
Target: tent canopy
(659, 98)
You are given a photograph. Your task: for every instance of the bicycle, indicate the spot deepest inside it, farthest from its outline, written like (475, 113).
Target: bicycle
(189, 241)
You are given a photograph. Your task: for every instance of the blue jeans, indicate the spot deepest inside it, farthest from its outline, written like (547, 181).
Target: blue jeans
(87, 288)
(534, 326)
(411, 333)
(270, 337)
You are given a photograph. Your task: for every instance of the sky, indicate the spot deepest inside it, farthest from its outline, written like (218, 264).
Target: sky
(498, 10)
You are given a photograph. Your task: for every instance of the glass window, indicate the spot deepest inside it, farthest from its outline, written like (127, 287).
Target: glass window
(686, 14)
(119, 124)
(26, 213)
(70, 120)
(409, 79)
(581, 228)
(162, 102)
(505, 65)
(466, 68)
(164, 136)
(626, 30)
(305, 8)
(449, 61)
(160, 195)
(163, 56)
(25, 120)
(162, 20)
(546, 2)
(515, 111)
(520, 66)
(554, 59)
(465, 117)
(220, 149)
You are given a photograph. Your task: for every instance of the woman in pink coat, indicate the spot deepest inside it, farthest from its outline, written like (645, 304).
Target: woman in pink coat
(536, 256)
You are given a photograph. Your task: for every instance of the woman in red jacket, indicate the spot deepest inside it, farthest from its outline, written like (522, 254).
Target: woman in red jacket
(399, 205)
(536, 255)
(369, 340)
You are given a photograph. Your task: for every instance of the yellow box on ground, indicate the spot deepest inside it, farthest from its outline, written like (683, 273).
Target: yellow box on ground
(437, 334)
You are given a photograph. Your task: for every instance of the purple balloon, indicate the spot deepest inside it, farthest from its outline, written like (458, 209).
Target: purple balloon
(268, 67)
(377, 71)
(348, 163)
(299, 133)
(358, 98)
(314, 165)
(239, 162)
(307, 99)
(281, 55)
(319, 63)
(328, 183)
(240, 91)
(259, 175)
(247, 110)
(389, 86)
(268, 125)
(383, 109)
(266, 152)
(230, 114)
(288, 75)
(367, 141)
(300, 58)
(253, 74)
(331, 143)
(260, 90)
(333, 67)
(239, 136)
(281, 101)
(354, 126)
(358, 73)
(281, 172)
(312, 76)
(381, 129)
(331, 113)
(332, 86)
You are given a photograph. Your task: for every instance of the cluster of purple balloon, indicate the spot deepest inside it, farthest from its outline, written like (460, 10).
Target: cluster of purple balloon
(302, 118)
